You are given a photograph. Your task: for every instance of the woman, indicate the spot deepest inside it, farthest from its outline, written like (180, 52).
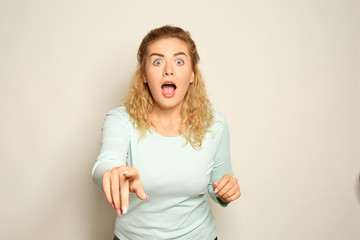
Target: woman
(165, 146)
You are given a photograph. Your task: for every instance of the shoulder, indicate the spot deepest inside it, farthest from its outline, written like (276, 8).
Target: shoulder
(119, 112)
(219, 119)
(117, 117)
(219, 123)
(218, 116)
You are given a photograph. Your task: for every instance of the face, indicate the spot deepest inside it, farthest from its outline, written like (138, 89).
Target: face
(168, 72)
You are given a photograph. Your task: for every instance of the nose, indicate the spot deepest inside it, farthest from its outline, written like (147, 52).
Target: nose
(168, 71)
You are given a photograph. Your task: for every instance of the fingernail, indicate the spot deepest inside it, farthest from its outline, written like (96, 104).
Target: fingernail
(113, 206)
(124, 209)
(126, 172)
(118, 212)
(216, 190)
(146, 197)
(216, 183)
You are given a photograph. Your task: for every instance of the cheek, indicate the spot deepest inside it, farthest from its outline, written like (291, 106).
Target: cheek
(187, 77)
(152, 74)
(147, 77)
(185, 86)
(152, 82)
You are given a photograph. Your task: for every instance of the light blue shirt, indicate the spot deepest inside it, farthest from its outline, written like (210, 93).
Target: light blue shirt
(175, 177)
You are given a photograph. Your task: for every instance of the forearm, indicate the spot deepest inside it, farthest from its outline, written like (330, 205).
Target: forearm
(101, 167)
(114, 146)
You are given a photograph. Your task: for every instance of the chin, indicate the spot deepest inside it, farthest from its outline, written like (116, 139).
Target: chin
(168, 104)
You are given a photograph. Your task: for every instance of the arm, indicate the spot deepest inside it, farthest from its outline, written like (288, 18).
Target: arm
(114, 146)
(110, 172)
(221, 179)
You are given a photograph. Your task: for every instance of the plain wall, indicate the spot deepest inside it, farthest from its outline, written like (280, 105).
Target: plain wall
(284, 73)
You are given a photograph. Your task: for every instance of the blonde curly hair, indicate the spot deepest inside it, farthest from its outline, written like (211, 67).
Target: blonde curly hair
(196, 113)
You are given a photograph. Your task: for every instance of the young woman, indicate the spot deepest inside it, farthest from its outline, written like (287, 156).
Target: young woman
(165, 147)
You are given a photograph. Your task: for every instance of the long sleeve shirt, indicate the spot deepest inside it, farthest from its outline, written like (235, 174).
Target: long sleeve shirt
(175, 177)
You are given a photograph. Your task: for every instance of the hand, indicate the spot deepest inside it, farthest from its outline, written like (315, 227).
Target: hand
(227, 189)
(117, 184)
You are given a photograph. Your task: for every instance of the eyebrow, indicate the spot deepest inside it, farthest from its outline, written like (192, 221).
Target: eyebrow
(162, 55)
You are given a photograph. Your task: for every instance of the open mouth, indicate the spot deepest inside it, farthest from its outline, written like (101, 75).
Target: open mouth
(168, 89)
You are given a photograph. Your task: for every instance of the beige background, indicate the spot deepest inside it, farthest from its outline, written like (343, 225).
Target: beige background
(284, 73)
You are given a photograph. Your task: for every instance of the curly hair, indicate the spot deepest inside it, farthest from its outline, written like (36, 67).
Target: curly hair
(196, 112)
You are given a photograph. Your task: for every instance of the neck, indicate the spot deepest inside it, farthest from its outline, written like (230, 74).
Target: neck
(166, 116)
(166, 121)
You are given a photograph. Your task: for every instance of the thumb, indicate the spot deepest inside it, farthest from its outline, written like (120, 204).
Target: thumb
(214, 185)
(140, 193)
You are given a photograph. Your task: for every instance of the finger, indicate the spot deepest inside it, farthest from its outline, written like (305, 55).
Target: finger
(232, 190)
(223, 181)
(115, 193)
(138, 188)
(214, 184)
(233, 197)
(124, 193)
(136, 185)
(233, 193)
(227, 187)
(131, 173)
(107, 188)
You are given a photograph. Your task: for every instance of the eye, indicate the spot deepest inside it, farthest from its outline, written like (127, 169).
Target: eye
(157, 62)
(179, 62)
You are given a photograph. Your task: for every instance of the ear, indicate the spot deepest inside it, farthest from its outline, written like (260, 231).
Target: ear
(192, 77)
(144, 79)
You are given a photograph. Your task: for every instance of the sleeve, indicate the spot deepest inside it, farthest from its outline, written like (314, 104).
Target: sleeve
(114, 145)
(222, 163)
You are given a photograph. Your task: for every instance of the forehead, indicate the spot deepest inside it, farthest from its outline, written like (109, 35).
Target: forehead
(168, 46)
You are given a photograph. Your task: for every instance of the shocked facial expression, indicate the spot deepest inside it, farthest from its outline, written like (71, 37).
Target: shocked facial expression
(168, 72)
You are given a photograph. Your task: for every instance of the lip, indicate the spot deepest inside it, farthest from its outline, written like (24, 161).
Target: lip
(168, 81)
(168, 95)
